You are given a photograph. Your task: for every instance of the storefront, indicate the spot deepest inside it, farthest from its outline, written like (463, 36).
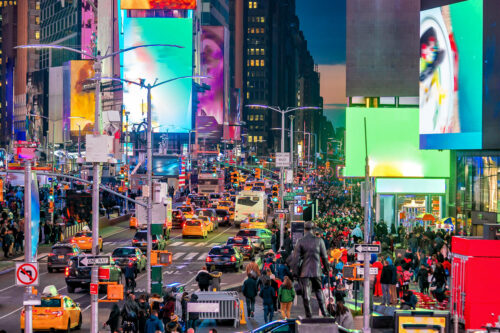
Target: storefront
(403, 201)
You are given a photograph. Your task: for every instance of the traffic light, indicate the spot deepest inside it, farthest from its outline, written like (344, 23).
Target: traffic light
(257, 173)
(122, 171)
(235, 178)
(51, 194)
(328, 165)
(275, 193)
(214, 171)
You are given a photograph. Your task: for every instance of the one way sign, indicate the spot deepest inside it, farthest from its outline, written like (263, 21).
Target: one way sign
(367, 248)
(85, 261)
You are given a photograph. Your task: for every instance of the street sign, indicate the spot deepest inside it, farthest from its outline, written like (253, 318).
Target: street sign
(94, 288)
(32, 299)
(281, 211)
(282, 160)
(367, 248)
(27, 274)
(85, 261)
(373, 271)
(289, 176)
(289, 197)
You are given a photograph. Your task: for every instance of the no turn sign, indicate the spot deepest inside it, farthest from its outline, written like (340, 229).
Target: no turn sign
(27, 274)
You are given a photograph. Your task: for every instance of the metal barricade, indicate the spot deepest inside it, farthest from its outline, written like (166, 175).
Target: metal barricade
(218, 305)
(71, 230)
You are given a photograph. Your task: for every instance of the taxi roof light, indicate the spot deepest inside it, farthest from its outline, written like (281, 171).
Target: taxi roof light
(50, 291)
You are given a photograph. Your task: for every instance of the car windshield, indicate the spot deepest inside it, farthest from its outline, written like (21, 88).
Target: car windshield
(83, 234)
(248, 201)
(247, 233)
(62, 250)
(237, 241)
(217, 251)
(186, 209)
(221, 212)
(50, 303)
(142, 236)
(225, 203)
(204, 218)
(193, 223)
(204, 212)
(215, 196)
(123, 252)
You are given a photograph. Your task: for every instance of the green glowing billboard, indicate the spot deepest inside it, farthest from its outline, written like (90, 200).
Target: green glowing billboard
(393, 145)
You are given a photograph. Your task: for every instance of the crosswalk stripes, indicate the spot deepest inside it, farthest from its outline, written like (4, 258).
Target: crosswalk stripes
(178, 255)
(203, 256)
(176, 244)
(190, 256)
(200, 244)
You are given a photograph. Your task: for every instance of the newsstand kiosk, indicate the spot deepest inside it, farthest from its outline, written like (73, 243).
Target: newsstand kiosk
(475, 281)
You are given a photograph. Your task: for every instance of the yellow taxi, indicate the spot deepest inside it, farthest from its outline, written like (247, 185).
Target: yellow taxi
(231, 213)
(248, 186)
(226, 204)
(194, 228)
(209, 225)
(187, 211)
(253, 223)
(84, 240)
(56, 312)
(133, 222)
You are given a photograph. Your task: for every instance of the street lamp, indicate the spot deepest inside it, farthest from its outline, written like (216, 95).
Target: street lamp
(149, 156)
(79, 133)
(98, 59)
(283, 113)
(53, 135)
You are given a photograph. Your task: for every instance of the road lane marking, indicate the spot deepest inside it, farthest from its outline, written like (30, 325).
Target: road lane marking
(11, 313)
(203, 256)
(178, 255)
(175, 244)
(191, 255)
(199, 244)
(88, 307)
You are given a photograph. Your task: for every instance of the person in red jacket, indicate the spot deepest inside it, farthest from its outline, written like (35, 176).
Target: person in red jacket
(377, 290)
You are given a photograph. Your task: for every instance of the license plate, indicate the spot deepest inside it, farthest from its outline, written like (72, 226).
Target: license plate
(60, 257)
(82, 241)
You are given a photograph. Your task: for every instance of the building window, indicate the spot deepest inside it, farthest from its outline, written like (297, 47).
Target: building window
(37, 35)
(252, 62)
(262, 63)
(252, 51)
(250, 138)
(260, 138)
(250, 117)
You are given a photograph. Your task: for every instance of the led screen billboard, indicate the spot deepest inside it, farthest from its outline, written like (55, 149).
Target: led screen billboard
(171, 102)
(451, 76)
(210, 110)
(158, 4)
(166, 166)
(82, 97)
(392, 145)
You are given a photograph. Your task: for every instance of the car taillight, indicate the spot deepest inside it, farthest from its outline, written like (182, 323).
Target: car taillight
(73, 240)
(58, 313)
(208, 259)
(225, 217)
(133, 258)
(248, 247)
(51, 254)
(233, 258)
(155, 241)
(66, 271)
(134, 240)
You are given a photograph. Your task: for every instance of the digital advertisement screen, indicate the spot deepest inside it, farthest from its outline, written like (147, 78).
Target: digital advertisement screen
(392, 145)
(166, 166)
(211, 102)
(171, 102)
(82, 103)
(158, 4)
(451, 76)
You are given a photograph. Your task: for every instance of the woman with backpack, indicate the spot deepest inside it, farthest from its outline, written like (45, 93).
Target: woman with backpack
(286, 295)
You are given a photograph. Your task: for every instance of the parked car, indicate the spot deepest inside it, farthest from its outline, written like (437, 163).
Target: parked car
(60, 254)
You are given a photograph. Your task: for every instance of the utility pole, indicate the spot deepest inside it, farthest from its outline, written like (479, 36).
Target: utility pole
(366, 277)
(291, 141)
(282, 175)
(28, 258)
(149, 157)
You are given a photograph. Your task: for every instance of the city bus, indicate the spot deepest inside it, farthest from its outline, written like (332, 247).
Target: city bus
(250, 204)
(210, 183)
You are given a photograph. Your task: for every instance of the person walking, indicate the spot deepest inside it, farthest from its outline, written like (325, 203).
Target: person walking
(377, 289)
(249, 290)
(343, 316)
(286, 295)
(267, 293)
(252, 269)
(386, 280)
(154, 324)
(423, 279)
(203, 278)
(130, 278)
(114, 319)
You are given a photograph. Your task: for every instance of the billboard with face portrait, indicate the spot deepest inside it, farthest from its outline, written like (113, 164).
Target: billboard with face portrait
(82, 97)
(158, 4)
(210, 111)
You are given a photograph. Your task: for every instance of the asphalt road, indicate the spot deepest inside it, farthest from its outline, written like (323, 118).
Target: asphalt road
(188, 258)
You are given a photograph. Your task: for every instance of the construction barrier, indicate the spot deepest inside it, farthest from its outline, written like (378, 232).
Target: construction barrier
(71, 230)
(219, 305)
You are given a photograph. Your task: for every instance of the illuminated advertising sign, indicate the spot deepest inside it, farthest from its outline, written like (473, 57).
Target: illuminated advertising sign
(82, 98)
(451, 76)
(89, 29)
(393, 149)
(171, 102)
(210, 112)
(158, 4)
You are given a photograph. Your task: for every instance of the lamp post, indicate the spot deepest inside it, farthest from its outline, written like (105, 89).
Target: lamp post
(98, 59)
(149, 157)
(190, 131)
(79, 133)
(283, 113)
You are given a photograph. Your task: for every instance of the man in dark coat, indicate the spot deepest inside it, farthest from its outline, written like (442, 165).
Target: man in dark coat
(310, 253)
(203, 278)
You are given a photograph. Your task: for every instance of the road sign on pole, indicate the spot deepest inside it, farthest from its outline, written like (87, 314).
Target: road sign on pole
(282, 160)
(281, 211)
(27, 274)
(85, 261)
(367, 248)
(94, 289)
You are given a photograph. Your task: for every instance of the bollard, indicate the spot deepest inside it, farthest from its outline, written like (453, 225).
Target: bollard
(242, 310)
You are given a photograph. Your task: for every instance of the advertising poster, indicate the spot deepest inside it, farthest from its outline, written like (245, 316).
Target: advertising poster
(210, 111)
(158, 4)
(171, 102)
(35, 215)
(82, 99)
(451, 53)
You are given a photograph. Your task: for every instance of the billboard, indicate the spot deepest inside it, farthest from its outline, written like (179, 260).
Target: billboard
(158, 4)
(381, 47)
(451, 76)
(392, 145)
(166, 166)
(171, 102)
(89, 29)
(210, 110)
(82, 100)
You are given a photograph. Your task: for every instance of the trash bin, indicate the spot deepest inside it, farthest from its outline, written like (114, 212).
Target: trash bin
(156, 288)
(156, 274)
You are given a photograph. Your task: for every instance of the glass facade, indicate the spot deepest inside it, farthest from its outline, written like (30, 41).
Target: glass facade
(477, 185)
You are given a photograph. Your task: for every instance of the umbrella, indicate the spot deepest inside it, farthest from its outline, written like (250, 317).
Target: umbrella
(426, 217)
(447, 220)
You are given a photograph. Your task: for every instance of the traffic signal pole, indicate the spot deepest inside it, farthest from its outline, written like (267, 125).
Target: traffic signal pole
(366, 264)
(28, 309)
(282, 202)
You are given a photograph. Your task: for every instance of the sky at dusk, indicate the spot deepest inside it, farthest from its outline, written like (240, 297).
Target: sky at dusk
(323, 25)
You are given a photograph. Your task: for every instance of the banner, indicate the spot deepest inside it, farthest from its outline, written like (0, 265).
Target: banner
(35, 215)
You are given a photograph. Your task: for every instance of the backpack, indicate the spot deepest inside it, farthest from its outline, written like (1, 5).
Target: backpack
(267, 265)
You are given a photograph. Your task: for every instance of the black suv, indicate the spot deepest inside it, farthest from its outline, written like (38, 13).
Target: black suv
(244, 244)
(60, 254)
(79, 277)
(178, 219)
(223, 217)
